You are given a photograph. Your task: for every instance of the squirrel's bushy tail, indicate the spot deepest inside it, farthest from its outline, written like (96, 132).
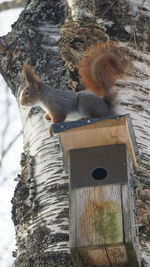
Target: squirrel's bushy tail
(100, 67)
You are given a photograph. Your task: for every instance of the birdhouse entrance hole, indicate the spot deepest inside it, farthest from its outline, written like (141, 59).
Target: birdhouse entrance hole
(96, 166)
(99, 173)
(99, 154)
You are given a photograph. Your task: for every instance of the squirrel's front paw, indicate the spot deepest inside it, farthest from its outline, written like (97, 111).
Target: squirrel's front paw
(51, 133)
(47, 117)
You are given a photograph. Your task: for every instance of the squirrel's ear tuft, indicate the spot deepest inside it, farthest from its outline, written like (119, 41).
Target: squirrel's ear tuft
(30, 75)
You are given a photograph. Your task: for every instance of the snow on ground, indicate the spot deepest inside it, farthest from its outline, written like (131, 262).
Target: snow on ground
(10, 126)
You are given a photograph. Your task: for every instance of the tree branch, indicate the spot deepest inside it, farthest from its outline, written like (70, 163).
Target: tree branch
(13, 4)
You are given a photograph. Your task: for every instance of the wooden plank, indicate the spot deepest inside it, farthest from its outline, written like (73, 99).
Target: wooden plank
(98, 216)
(133, 257)
(132, 246)
(106, 132)
(78, 260)
(118, 256)
(123, 256)
(72, 219)
(94, 257)
(68, 125)
(126, 213)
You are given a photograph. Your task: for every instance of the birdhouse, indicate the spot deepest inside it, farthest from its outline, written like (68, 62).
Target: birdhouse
(101, 159)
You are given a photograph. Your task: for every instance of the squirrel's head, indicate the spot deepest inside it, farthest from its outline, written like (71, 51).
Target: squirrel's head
(30, 93)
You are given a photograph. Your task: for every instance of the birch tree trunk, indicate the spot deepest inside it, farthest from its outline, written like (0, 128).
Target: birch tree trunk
(41, 199)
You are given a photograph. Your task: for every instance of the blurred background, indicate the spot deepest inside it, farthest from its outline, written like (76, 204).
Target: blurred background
(11, 144)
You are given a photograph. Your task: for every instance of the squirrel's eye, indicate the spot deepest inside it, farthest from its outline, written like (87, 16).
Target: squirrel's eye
(27, 93)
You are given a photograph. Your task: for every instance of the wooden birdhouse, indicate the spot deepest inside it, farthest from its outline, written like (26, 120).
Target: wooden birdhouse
(101, 158)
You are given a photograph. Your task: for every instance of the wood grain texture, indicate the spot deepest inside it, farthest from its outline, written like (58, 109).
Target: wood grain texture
(118, 256)
(106, 132)
(126, 213)
(98, 216)
(101, 223)
(95, 257)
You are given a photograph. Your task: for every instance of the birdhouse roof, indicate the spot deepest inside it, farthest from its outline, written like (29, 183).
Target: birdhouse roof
(98, 132)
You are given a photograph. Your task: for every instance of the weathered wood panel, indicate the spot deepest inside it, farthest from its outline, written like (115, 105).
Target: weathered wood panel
(105, 132)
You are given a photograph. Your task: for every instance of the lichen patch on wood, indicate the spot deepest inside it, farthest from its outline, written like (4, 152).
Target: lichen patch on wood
(105, 221)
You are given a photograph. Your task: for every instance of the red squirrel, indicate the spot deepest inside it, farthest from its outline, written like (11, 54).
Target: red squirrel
(100, 66)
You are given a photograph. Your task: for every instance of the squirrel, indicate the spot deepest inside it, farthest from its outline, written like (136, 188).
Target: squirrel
(99, 68)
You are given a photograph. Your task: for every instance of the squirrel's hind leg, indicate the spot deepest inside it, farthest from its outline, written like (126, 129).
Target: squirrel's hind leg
(92, 106)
